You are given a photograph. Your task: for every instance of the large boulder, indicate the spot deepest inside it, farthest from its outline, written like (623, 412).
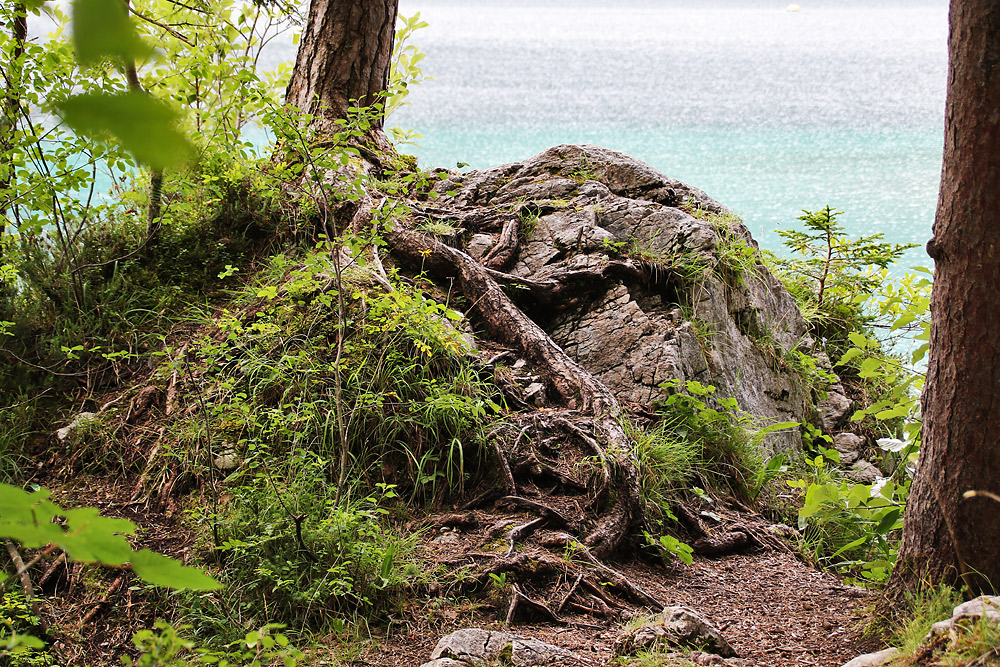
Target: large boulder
(710, 310)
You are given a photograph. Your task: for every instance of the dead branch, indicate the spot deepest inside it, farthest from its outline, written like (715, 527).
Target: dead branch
(569, 593)
(522, 532)
(22, 571)
(101, 604)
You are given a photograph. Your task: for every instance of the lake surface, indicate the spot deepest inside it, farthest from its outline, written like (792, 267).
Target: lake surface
(769, 111)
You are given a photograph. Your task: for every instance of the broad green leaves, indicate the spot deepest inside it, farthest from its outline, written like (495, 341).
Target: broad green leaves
(852, 523)
(35, 521)
(102, 30)
(162, 571)
(144, 126)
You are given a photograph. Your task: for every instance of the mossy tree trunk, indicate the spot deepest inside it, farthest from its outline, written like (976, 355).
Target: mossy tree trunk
(947, 537)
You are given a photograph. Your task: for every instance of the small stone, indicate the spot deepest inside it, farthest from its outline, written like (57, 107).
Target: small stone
(702, 658)
(985, 605)
(848, 442)
(476, 647)
(229, 459)
(873, 659)
(834, 411)
(675, 626)
(479, 245)
(445, 662)
(988, 605)
(939, 628)
(847, 458)
(864, 472)
(519, 364)
(972, 610)
(534, 393)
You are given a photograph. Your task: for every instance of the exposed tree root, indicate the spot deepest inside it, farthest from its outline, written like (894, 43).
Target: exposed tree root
(577, 387)
(501, 254)
(734, 540)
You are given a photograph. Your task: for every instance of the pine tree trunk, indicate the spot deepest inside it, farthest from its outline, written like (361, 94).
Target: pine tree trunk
(343, 60)
(948, 538)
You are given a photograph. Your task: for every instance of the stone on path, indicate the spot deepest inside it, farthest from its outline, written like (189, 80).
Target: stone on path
(474, 647)
(675, 626)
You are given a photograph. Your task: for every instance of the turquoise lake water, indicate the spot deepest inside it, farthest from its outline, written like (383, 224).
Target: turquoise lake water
(769, 111)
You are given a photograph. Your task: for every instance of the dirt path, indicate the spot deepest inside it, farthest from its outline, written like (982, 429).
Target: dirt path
(774, 610)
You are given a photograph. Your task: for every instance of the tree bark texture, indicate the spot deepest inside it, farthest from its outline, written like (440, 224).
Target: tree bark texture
(948, 538)
(344, 58)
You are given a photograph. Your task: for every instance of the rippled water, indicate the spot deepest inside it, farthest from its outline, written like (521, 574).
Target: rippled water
(769, 111)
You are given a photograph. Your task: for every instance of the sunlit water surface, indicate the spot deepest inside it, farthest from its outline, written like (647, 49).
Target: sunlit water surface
(770, 111)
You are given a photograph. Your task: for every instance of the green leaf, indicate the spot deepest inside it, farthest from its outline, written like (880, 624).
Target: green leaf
(857, 339)
(101, 29)
(144, 126)
(870, 366)
(850, 545)
(162, 571)
(888, 522)
(850, 354)
(898, 410)
(96, 539)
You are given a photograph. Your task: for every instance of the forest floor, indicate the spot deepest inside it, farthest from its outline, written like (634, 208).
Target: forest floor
(774, 609)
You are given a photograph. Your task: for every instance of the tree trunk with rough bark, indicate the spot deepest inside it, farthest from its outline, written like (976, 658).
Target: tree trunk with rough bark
(344, 60)
(949, 538)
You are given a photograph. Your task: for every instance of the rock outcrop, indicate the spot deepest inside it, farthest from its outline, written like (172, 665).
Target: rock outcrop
(705, 307)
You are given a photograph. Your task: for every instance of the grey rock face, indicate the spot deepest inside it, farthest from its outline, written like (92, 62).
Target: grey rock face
(675, 626)
(474, 646)
(703, 315)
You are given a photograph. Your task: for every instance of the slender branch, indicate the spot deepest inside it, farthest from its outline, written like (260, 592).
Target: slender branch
(170, 30)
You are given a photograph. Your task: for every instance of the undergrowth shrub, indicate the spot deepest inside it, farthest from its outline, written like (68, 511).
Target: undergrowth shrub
(875, 332)
(292, 554)
(700, 439)
(409, 408)
(22, 634)
(850, 528)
